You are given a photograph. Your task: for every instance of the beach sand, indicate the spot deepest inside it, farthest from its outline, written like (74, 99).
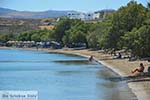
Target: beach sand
(139, 86)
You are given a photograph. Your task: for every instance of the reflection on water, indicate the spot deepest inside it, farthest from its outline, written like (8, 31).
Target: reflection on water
(68, 72)
(68, 62)
(59, 76)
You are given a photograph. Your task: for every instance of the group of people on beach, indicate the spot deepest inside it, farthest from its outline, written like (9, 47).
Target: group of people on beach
(137, 70)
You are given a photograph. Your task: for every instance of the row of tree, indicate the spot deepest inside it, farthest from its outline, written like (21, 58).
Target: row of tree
(128, 28)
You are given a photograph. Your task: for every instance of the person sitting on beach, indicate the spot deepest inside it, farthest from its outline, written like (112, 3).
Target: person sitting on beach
(91, 58)
(119, 55)
(141, 69)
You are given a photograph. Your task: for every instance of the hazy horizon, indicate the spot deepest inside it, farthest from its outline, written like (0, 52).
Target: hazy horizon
(82, 6)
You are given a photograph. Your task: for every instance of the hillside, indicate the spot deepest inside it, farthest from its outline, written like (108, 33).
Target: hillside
(8, 13)
(12, 21)
(15, 25)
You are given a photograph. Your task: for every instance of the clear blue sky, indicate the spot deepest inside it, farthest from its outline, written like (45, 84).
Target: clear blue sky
(79, 5)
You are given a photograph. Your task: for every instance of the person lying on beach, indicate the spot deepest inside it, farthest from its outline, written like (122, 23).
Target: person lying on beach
(141, 69)
(91, 58)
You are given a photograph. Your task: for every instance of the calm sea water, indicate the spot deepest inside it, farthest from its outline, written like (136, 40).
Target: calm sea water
(59, 76)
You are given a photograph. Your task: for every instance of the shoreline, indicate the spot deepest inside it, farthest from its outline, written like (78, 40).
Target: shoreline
(135, 88)
(140, 88)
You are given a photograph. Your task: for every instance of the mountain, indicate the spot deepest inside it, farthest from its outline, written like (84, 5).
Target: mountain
(5, 10)
(9, 13)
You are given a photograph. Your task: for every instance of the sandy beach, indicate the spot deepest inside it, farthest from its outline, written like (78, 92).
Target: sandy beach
(139, 86)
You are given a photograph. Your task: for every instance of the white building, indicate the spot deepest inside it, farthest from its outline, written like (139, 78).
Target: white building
(82, 16)
(85, 16)
(88, 16)
(96, 16)
(76, 15)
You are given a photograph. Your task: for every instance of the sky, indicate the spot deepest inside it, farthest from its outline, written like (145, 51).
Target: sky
(78, 5)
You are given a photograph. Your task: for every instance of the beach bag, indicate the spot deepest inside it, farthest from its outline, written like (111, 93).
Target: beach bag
(148, 69)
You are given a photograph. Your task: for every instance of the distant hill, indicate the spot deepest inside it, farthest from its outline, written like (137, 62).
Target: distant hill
(12, 21)
(18, 25)
(12, 25)
(9, 13)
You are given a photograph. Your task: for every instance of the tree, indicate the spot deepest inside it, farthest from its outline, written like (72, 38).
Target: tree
(77, 37)
(138, 41)
(77, 28)
(144, 37)
(35, 37)
(25, 36)
(148, 5)
(7, 37)
(92, 39)
(124, 20)
(62, 26)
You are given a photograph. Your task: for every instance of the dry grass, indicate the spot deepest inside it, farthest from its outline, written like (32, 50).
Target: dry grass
(48, 27)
